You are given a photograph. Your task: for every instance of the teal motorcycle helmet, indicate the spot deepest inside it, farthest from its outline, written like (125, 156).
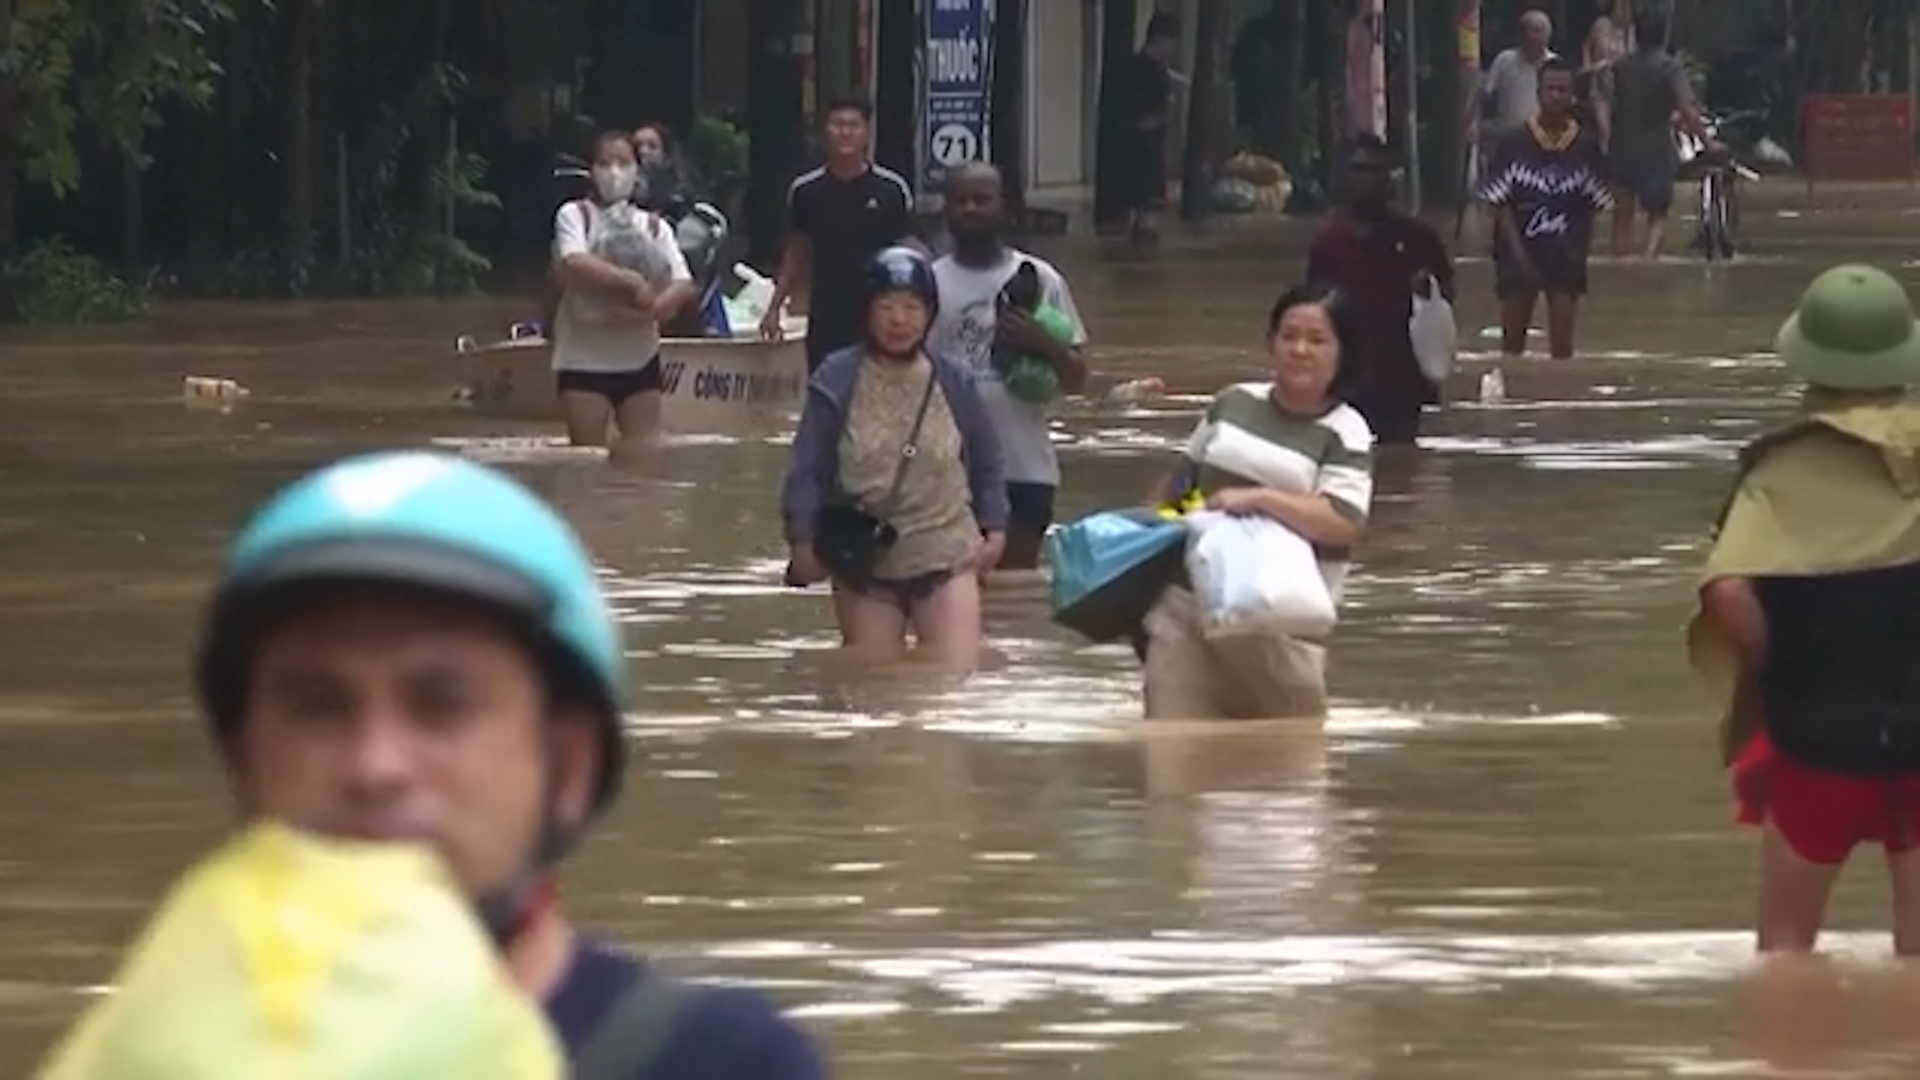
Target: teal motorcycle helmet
(435, 522)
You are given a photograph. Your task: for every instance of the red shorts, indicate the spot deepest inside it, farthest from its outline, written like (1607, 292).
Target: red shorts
(1823, 815)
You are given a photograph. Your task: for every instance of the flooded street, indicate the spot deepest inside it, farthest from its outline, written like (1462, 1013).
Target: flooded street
(1512, 855)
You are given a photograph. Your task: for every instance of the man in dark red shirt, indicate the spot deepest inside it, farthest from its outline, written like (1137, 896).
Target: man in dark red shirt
(1375, 253)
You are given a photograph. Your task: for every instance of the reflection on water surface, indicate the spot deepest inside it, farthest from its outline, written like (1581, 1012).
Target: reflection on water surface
(1509, 855)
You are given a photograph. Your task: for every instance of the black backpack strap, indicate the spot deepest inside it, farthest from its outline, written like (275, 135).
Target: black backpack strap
(637, 1027)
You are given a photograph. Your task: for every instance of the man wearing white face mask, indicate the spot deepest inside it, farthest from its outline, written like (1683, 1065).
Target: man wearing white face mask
(621, 275)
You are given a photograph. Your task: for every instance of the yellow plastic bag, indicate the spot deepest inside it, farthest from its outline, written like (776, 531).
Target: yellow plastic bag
(288, 957)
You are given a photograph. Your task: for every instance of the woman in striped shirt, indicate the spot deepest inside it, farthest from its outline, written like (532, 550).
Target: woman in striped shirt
(1291, 450)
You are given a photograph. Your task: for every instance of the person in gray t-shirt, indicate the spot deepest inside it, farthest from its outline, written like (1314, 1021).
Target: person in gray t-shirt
(1650, 87)
(1509, 92)
(973, 320)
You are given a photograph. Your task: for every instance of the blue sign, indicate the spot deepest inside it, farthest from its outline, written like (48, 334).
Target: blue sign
(956, 72)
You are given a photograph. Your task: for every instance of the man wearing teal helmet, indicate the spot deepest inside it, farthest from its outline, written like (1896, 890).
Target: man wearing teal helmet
(411, 645)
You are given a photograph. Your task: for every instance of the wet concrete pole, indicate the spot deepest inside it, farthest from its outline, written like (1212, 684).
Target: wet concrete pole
(776, 145)
(1466, 47)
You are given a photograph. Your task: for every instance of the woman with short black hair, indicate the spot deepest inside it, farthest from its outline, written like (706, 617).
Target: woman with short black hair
(1292, 450)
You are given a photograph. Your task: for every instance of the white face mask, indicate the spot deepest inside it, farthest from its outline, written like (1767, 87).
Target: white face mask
(614, 182)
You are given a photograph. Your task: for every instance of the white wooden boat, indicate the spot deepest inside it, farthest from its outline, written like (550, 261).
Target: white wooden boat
(709, 384)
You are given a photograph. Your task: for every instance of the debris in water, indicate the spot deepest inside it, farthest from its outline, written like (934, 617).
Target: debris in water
(202, 389)
(1135, 391)
(1493, 387)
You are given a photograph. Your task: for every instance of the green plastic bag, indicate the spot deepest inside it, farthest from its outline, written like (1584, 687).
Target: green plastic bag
(288, 957)
(1030, 378)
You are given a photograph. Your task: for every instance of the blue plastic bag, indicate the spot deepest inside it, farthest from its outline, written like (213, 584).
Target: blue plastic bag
(713, 312)
(1110, 567)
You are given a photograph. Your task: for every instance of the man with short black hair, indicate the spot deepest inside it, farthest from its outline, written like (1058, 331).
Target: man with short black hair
(1374, 252)
(1650, 86)
(839, 216)
(976, 321)
(413, 648)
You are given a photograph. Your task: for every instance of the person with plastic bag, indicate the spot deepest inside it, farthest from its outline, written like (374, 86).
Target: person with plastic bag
(1399, 275)
(1290, 451)
(895, 492)
(621, 274)
(410, 647)
(287, 953)
(1009, 316)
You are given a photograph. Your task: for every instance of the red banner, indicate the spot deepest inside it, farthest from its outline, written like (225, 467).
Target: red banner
(1858, 137)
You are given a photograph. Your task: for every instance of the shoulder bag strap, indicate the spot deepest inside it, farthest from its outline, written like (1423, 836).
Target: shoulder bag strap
(637, 1027)
(912, 447)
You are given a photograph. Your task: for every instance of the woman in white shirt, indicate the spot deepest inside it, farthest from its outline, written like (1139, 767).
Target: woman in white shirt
(621, 275)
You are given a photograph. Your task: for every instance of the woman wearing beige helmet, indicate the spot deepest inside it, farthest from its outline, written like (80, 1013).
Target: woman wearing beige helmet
(1809, 619)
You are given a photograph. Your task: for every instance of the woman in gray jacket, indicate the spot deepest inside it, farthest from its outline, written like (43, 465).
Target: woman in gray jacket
(895, 491)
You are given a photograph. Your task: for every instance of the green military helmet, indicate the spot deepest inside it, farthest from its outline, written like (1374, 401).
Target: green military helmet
(1854, 330)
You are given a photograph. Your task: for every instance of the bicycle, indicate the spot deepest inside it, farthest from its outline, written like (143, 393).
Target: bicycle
(1716, 235)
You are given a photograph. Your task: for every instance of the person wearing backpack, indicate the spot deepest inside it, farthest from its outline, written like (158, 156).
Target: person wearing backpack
(414, 647)
(621, 275)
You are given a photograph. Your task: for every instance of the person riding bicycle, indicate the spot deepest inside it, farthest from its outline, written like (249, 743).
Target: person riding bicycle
(1649, 87)
(412, 646)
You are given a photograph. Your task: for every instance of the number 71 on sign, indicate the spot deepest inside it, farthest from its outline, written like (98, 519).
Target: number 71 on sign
(955, 144)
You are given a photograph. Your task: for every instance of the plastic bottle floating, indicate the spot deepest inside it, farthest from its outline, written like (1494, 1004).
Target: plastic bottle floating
(206, 388)
(1493, 387)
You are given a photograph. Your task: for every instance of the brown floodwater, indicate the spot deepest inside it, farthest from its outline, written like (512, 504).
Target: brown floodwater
(1509, 855)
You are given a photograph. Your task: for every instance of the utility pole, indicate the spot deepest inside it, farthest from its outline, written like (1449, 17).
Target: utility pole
(1410, 82)
(775, 83)
(1196, 161)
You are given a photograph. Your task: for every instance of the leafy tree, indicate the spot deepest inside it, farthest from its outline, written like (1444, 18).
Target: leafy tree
(99, 67)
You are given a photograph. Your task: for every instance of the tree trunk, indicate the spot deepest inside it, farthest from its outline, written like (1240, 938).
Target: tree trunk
(133, 209)
(1197, 156)
(1290, 112)
(1330, 30)
(10, 164)
(297, 137)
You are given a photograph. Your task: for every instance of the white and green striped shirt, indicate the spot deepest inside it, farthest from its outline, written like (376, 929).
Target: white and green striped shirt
(1246, 440)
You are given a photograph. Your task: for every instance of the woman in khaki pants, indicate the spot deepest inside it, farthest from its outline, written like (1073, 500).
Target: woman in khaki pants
(1291, 450)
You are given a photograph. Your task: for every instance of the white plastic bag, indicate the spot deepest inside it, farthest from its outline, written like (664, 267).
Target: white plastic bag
(1432, 329)
(1254, 575)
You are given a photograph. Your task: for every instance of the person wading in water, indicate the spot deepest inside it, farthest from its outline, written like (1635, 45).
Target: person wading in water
(1136, 100)
(1810, 611)
(839, 216)
(411, 646)
(1546, 188)
(974, 320)
(1374, 254)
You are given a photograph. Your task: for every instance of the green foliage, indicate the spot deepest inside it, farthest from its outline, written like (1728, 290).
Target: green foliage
(105, 66)
(401, 246)
(53, 283)
(718, 148)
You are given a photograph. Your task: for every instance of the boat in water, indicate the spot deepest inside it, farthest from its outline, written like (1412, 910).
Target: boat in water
(708, 384)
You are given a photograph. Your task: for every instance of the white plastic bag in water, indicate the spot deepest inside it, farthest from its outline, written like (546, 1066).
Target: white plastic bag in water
(1432, 329)
(1251, 574)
